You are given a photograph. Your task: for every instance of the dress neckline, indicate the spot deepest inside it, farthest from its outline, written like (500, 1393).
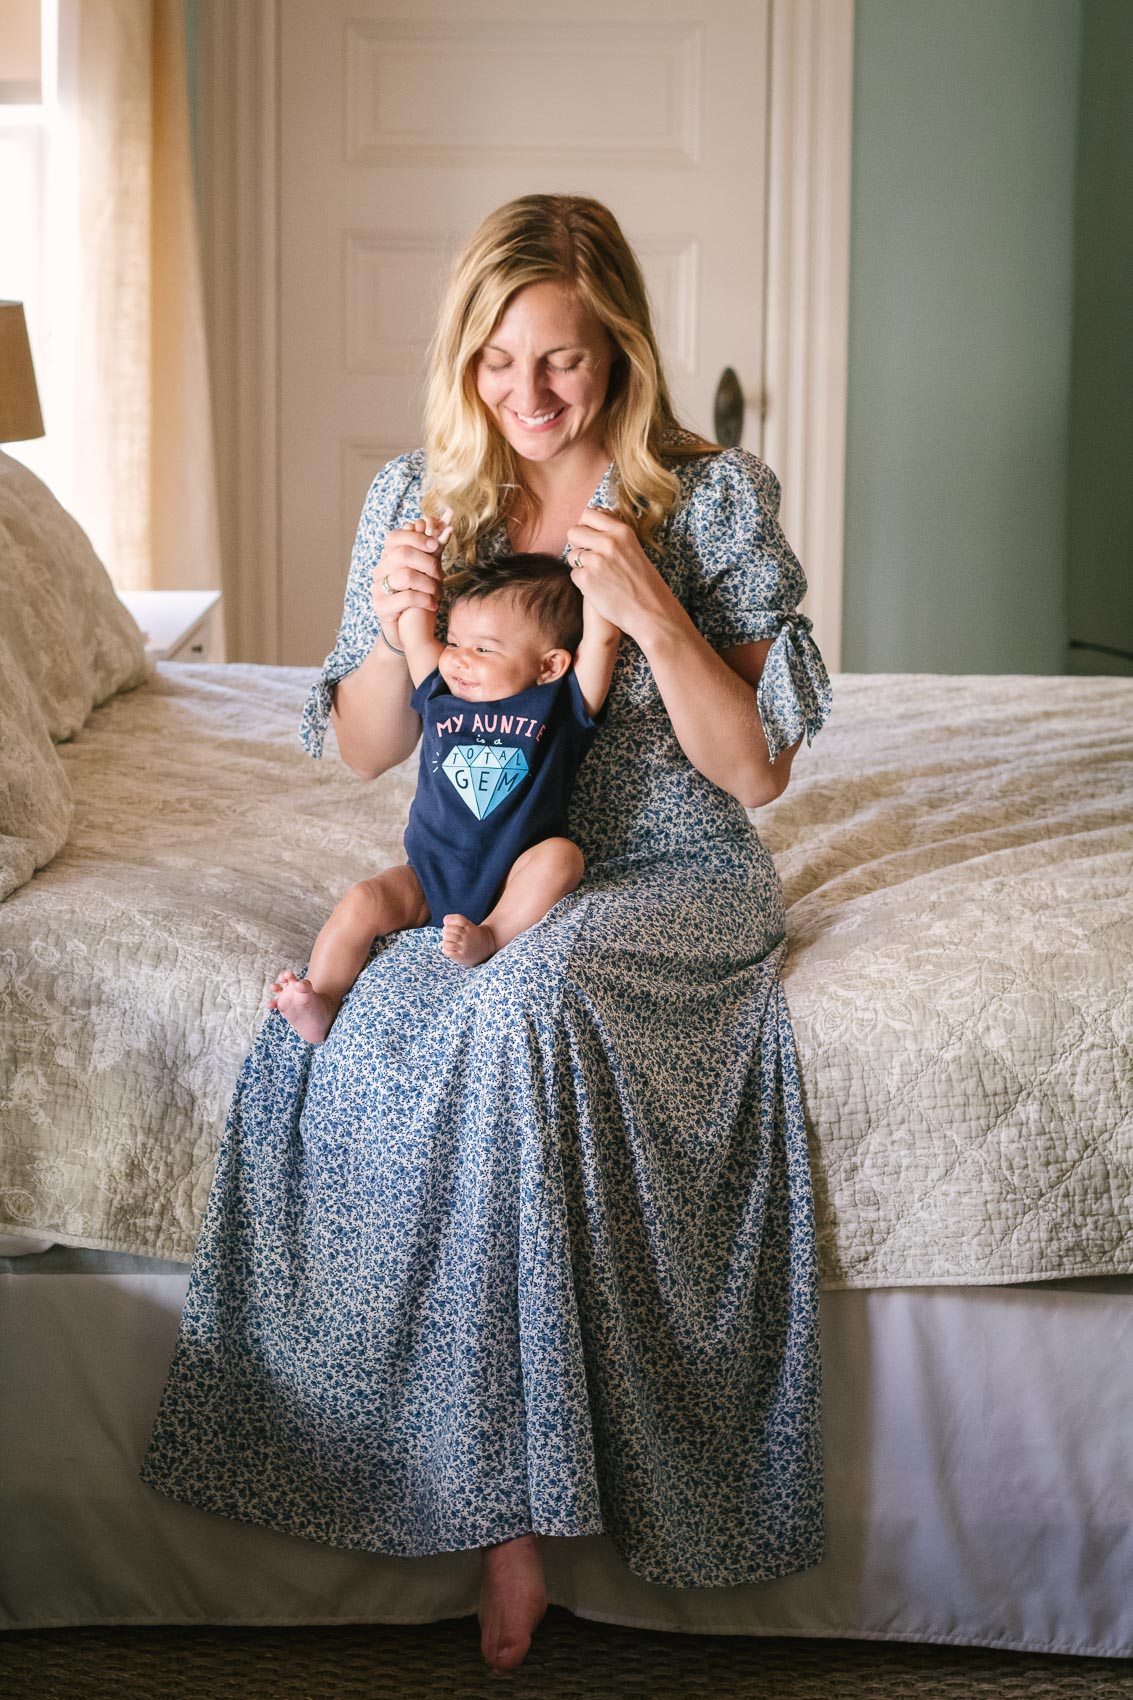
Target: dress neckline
(602, 498)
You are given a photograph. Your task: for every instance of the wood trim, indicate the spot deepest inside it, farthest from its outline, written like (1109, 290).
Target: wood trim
(806, 333)
(239, 192)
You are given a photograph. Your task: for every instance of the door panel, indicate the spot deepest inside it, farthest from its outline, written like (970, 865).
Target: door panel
(402, 125)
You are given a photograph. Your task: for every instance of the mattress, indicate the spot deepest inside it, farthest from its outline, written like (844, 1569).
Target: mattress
(955, 855)
(979, 1467)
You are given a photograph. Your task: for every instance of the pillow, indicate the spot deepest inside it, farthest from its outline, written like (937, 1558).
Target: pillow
(65, 627)
(35, 793)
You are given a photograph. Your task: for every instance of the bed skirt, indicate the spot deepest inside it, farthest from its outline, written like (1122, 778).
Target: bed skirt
(979, 1462)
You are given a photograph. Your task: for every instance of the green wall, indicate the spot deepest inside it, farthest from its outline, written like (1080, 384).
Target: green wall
(1099, 589)
(961, 294)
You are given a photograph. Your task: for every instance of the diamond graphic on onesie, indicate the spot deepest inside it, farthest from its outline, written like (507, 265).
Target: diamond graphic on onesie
(484, 774)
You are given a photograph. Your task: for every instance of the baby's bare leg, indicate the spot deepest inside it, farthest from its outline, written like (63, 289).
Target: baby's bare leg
(388, 903)
(535, 883)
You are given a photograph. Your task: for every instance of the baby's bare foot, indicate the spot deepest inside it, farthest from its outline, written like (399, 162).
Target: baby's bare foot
(463, 941)
(308, 1011)
(513, 1599)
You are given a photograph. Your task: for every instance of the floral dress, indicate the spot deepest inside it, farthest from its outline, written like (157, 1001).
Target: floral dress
(530, 1246)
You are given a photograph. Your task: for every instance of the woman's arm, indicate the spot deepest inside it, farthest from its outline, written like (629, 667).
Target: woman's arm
(371, 716)
(710, 701)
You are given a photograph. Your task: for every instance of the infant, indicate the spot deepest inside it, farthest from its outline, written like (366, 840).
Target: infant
(510, 704)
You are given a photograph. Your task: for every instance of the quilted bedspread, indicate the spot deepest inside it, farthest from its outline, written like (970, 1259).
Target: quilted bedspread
(957, 856)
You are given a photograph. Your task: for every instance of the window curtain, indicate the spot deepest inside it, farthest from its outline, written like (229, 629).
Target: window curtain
(128, 377)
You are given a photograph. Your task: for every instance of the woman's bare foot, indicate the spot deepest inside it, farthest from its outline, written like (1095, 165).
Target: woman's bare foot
(463, 941)
(308, 1011)
(513, 1599)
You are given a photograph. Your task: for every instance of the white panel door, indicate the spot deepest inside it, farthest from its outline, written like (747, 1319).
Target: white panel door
(402, 124)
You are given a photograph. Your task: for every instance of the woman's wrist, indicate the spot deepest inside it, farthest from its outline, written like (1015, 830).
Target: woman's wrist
(386, 654)
(662, 630)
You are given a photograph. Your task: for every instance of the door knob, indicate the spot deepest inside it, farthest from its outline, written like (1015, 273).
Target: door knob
(728, 411)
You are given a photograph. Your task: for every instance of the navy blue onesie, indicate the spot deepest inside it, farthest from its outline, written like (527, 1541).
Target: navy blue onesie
(494, 779)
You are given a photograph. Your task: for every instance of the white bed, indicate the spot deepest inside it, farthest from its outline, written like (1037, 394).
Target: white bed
(978, 1483)
(957, 857)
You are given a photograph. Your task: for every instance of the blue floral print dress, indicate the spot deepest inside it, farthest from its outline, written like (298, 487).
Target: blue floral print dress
(530, 1246)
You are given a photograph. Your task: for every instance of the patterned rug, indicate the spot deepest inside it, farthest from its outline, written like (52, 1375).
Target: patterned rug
(570, 1660)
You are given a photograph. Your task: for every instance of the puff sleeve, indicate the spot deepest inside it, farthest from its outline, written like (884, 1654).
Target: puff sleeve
(394, 500)
(746, 585)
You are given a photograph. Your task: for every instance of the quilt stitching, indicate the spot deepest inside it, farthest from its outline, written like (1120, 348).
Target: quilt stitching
(937, 1130)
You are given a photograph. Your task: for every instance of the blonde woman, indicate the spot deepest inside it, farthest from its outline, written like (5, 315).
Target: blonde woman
(527, 1250)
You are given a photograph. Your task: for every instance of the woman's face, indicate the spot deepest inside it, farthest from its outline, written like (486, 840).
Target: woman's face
(544, 372)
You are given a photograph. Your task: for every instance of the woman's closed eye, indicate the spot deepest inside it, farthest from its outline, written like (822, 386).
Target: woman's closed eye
(502, 366)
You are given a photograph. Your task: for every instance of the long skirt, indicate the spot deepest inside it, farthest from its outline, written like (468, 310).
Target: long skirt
(527, 1246)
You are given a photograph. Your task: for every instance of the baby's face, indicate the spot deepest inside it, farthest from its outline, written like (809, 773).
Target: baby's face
(496, 649)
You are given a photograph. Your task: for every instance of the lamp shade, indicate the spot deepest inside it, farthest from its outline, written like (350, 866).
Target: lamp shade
(20, 417)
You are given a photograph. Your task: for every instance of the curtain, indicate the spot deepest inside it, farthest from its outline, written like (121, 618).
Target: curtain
(127, 382)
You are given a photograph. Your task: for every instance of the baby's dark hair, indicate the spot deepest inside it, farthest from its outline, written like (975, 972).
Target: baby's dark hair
(540, 584)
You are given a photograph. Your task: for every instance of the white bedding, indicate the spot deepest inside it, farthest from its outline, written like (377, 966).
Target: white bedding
(957, 856)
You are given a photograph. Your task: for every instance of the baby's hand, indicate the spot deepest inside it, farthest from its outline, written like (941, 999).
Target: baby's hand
(407, 576)
(418, 625)
(441, 528)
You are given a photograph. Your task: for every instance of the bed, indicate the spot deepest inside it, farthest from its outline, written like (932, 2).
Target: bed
(956, 855)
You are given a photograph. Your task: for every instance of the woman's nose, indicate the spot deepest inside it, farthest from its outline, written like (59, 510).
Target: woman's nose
(529, 389)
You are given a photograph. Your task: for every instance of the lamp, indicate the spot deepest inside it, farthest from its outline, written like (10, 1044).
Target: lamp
(20, 417)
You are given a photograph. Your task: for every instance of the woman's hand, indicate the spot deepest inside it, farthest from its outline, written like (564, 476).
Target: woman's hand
(711, 702)
(410, 567)
(616, 575)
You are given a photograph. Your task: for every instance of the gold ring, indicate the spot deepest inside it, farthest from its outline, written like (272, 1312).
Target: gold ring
(385, 586)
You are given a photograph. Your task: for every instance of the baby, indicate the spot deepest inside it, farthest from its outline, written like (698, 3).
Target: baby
(509, 709)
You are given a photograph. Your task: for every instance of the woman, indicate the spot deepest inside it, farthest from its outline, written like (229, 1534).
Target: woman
(528, 1249)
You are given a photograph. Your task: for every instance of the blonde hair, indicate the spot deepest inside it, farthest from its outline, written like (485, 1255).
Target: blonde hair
(472, 469)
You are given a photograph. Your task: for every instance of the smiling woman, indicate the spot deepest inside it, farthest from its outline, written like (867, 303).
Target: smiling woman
(526, 1248)
(570, 375)
(547, 399)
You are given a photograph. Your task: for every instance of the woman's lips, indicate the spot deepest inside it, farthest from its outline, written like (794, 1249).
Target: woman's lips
(538, 422)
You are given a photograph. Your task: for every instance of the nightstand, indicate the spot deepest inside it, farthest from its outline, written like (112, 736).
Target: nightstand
(179, 625)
